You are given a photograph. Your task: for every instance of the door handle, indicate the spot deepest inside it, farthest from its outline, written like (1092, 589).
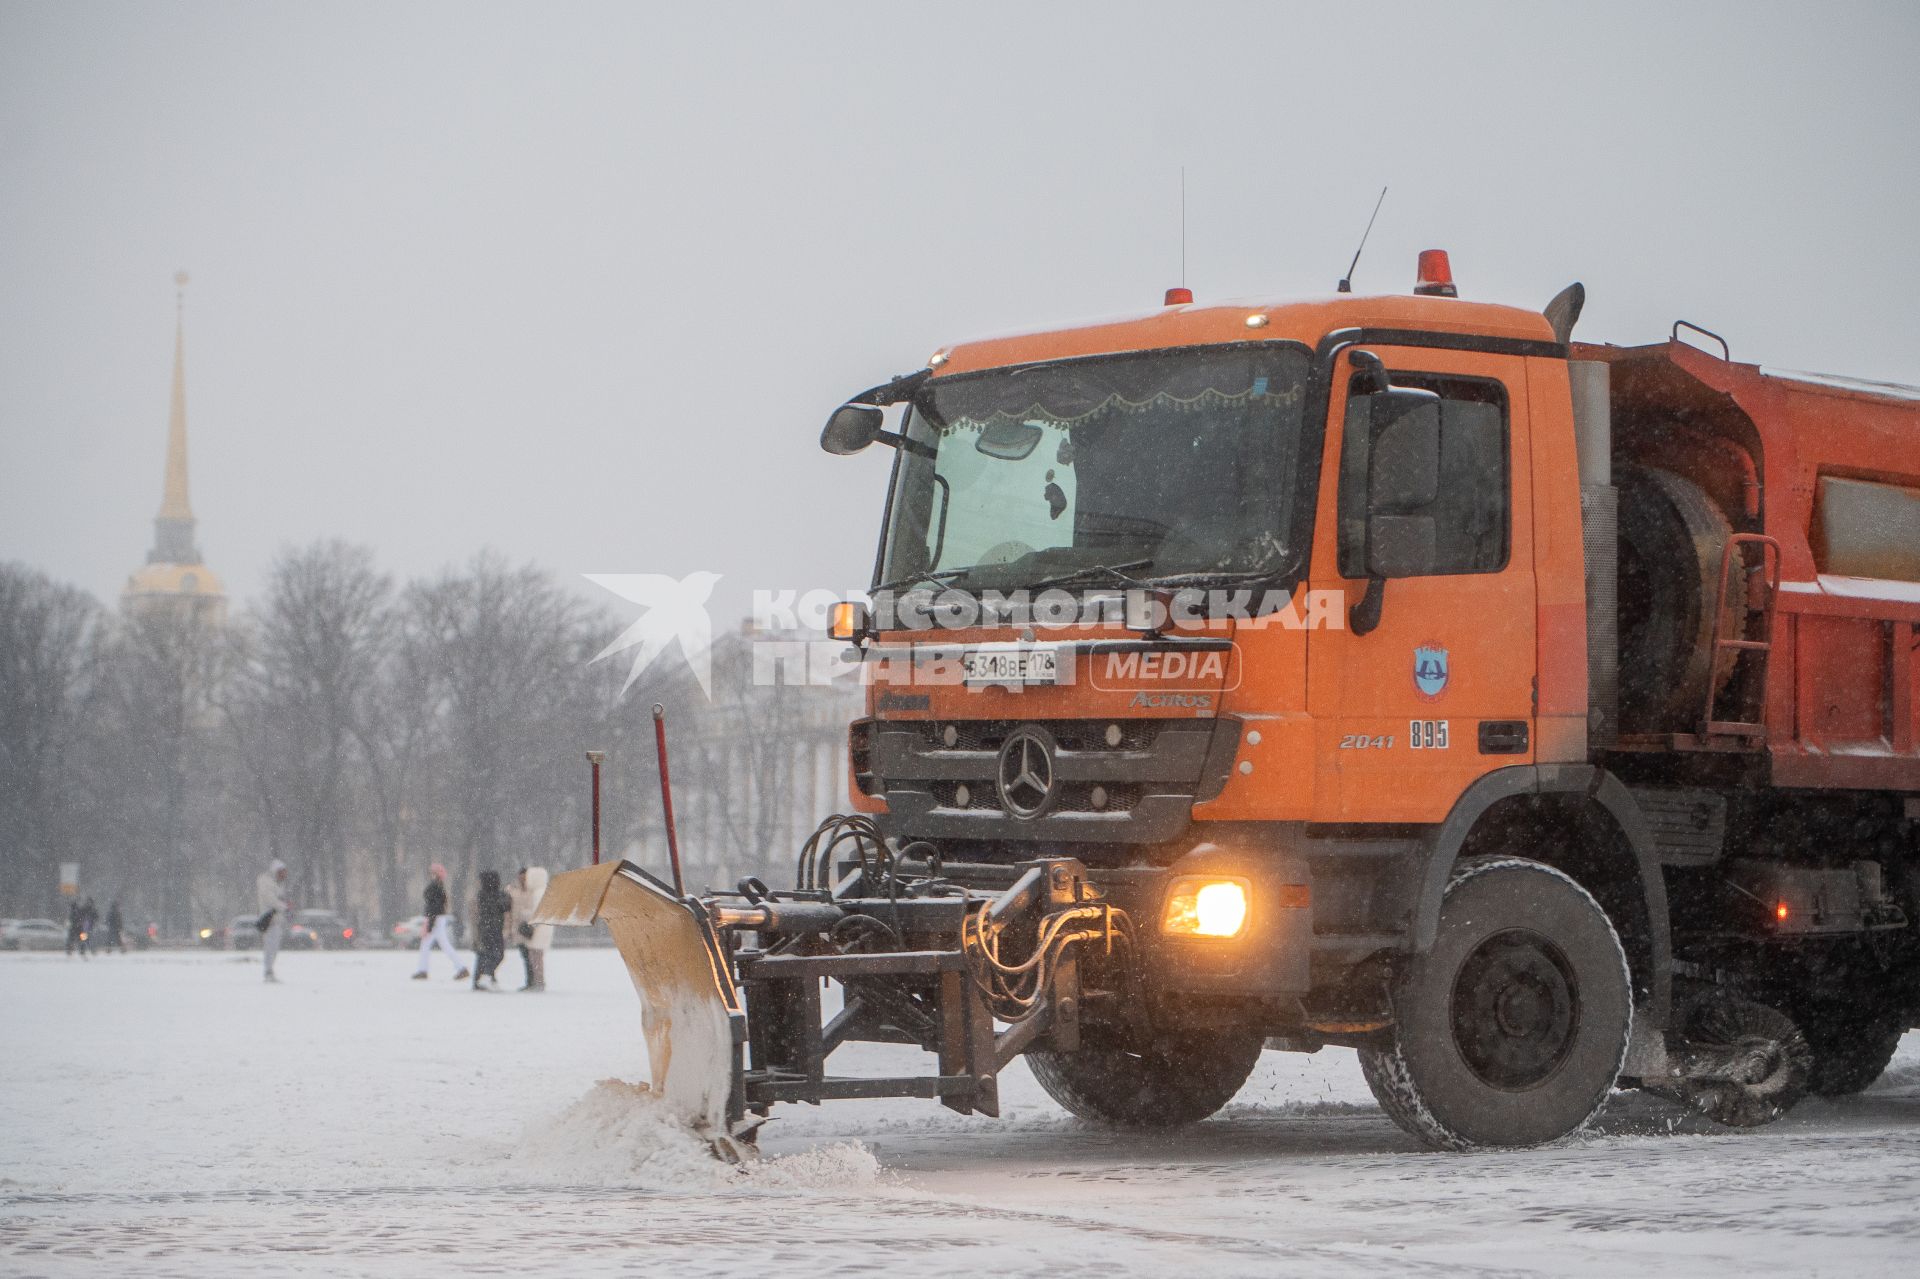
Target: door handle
(1503, 737)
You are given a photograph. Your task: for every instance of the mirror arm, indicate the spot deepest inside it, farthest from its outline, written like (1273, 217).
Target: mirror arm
(898, 391)
(899, 440)
(1374, 373)
(1365, 615)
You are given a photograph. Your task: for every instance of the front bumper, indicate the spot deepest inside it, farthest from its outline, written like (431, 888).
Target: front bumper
(938, 778)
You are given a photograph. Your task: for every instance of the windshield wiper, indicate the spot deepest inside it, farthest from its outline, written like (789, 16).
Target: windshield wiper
(1121, 573)
(914, 579)
(1177, 580)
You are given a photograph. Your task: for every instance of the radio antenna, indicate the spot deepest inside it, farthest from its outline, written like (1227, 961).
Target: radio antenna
(1346, 281)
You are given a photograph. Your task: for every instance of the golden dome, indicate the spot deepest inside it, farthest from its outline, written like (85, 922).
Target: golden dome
(175, 579)
(162, 588)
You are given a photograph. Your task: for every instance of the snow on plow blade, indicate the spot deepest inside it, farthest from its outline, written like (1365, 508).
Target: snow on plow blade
(690, 1011)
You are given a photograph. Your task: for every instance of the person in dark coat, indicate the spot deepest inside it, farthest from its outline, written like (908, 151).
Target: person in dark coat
(439, 930)
(491, 907)
(114, 939)
(77, 929)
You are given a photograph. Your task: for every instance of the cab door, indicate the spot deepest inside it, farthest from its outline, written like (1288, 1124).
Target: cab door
(1431, 512)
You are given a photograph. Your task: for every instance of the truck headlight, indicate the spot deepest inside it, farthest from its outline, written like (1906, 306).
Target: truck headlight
(1202, 906)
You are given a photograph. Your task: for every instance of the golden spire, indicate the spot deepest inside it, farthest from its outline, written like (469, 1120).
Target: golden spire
(174, 504)
(174, 580)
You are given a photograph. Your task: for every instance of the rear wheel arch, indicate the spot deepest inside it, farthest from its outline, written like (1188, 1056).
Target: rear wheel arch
(1579, 819)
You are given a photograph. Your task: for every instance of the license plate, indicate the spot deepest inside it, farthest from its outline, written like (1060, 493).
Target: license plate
(1011, 666)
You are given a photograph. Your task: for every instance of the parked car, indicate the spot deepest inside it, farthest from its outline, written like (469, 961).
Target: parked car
(217, 937)
(243, 932)
(408, 932)
(31, 934)
(327, 929)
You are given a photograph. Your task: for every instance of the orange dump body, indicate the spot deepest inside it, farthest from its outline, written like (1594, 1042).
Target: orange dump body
(1829, 469)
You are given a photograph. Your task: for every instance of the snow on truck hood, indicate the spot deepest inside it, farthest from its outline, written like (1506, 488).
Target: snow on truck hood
(1304, 320)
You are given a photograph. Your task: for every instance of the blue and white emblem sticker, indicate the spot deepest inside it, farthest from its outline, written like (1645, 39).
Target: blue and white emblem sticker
(1430, 671)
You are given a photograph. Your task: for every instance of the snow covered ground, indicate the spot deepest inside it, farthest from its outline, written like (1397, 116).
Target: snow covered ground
(169, 1114)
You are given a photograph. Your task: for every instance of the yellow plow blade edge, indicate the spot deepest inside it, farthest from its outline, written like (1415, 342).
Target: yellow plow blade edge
(689, 1009)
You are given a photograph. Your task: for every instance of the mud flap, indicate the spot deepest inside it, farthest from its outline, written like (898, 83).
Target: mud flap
(689, 1007)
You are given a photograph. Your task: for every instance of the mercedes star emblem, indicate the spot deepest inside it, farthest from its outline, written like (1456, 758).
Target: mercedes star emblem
(1025, 774)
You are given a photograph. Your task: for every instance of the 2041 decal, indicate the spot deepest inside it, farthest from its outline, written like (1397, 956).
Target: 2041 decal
(1366, 742)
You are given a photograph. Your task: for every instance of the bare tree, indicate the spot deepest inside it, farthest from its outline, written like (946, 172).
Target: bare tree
(298, 701)
(358, 733)
(397, 735)
(49, 661)
(508, 652)
(154, 756)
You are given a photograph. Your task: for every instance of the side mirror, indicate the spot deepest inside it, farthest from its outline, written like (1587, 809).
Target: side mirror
(1389, 459)
(1403, 482)
(1009, 441)
(1403, 471)
(852, 428)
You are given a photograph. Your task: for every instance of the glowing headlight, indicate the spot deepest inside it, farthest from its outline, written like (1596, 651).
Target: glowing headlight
(1201, 907)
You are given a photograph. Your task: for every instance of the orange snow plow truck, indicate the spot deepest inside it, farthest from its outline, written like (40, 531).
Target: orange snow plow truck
(1537, 718)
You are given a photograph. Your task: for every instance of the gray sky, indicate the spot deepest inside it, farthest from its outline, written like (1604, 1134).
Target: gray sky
(581, 282)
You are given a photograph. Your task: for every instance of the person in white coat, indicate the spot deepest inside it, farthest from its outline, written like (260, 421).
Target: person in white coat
(270, 898)
(534, 938)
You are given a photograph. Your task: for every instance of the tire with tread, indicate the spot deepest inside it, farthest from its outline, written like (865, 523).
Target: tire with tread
(1162, 1087)
(1513, 1028)
(1849, 1051)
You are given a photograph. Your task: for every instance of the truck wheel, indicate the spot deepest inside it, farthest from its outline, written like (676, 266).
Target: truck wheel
(1513, 1028)
(1849, 1052)
(1167, 1085)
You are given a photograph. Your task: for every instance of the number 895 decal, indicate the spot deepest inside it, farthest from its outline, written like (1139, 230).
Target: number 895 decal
(1427, 734)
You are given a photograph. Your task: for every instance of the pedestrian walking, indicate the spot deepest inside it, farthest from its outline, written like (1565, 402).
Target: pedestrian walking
(77, 929)
(115, 940)
(492, 908)
(534, 938)
(439, 930)
(270, 899)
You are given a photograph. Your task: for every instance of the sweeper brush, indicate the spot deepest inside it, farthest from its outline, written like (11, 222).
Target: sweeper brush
(730, 983)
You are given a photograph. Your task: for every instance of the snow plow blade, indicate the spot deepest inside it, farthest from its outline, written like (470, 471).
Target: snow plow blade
(690, 1010)
(731, 983)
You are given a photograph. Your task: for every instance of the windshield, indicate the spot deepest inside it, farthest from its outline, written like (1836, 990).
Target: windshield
(1167, 464)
